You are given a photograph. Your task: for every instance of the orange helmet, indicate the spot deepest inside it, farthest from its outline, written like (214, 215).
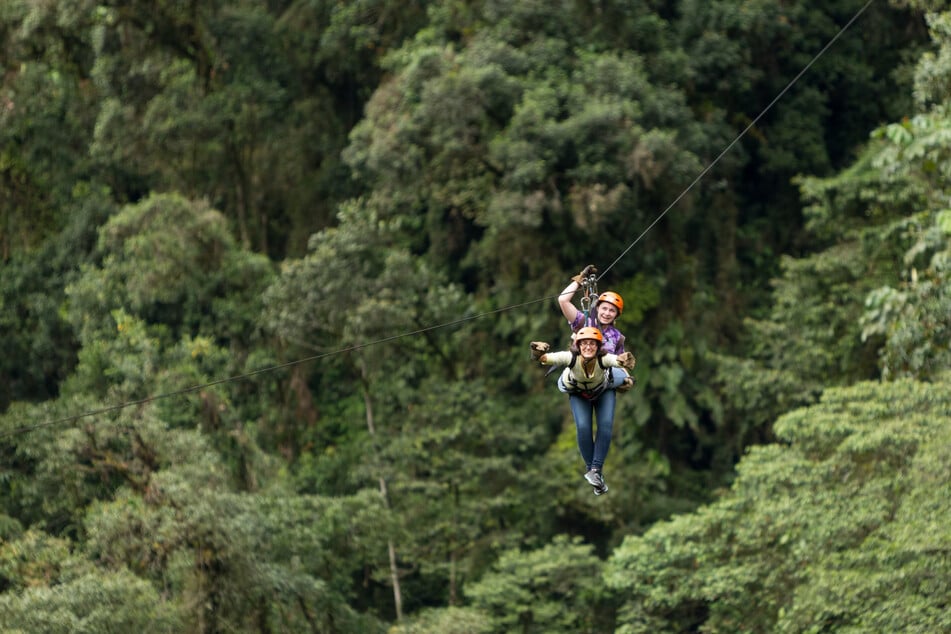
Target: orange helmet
(614, 299)
(589, 333)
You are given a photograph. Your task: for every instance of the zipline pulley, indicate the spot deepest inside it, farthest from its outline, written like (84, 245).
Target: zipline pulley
(589, 287)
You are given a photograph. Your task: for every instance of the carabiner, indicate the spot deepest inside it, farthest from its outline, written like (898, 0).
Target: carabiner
(585, 303)
(591, 285)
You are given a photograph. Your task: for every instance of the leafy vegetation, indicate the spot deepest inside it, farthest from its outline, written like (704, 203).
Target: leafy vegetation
(269, 270)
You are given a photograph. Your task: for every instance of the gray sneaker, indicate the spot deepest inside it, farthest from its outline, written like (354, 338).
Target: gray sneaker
(593, 476)
(595, 479)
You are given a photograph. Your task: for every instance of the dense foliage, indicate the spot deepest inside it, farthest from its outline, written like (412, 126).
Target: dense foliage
(270, 269)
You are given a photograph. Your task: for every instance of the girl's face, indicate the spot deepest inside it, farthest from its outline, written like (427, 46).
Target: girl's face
(607, 313)
(588, 348)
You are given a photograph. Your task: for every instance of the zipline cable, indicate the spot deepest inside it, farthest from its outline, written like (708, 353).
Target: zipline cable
(738, 137)
(195, 388)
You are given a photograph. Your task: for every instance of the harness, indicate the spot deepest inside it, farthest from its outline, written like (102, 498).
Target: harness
(572, 386)
(589, 287)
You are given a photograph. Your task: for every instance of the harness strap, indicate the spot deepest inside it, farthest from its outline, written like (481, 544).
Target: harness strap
(592, 394)
(588, 394)
(574, 359)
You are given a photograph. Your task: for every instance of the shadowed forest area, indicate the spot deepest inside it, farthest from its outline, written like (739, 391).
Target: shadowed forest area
(269, 271)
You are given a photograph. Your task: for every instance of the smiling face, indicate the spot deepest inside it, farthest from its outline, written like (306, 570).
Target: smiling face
(607, 313)
(588, 348)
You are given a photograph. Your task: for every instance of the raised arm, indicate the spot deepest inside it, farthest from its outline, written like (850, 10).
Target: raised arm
(541, 352)
(568, 309)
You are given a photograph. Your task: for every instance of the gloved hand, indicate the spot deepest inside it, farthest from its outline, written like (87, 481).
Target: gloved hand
(627, 360)
(538, 349)
(585, 272)
(627, 384)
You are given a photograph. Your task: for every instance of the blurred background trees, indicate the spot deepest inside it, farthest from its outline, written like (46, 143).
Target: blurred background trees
(269, 270)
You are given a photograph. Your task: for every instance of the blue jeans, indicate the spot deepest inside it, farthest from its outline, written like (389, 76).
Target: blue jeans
(594, 445)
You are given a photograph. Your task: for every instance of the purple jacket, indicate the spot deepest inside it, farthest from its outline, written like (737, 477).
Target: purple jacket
(613, 339)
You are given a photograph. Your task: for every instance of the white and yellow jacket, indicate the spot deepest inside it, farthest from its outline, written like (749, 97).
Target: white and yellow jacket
(589, 378)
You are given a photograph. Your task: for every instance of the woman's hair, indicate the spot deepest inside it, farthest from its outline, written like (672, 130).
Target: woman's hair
(576, 349)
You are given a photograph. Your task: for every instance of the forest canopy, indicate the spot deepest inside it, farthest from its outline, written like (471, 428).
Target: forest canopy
(269, 272)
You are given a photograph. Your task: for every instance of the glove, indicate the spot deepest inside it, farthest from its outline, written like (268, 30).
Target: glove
(538, 349)
(627, 384)
(627, 360)
(585, 272)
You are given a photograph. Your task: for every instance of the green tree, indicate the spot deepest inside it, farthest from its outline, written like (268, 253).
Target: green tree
(445, 621)
(270, 561)
(172, 490)
(556, 588)
(840, 309)
(173, 263)
(38, 341)
(246, 104)
(912, 316)
(187, 105)
(179, 496)
(358, 286)
(839, 527)
(48, 588)
(506, 136)
(169, 288)
(462, 467)
(912, 319)
(48, 208)
(47, 110)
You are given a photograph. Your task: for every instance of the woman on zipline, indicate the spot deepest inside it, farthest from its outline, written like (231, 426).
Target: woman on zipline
(603, 316)
(587, 381)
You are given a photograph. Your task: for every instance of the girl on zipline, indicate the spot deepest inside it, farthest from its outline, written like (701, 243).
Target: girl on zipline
(602, 316)
(587, 382)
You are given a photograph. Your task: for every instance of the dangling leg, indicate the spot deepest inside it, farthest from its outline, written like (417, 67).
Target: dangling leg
(582, 409)
(604, 411)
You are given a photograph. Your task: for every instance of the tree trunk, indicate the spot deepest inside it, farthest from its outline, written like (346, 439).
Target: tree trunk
(453, 593)
(242, 189)
(394, 571)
